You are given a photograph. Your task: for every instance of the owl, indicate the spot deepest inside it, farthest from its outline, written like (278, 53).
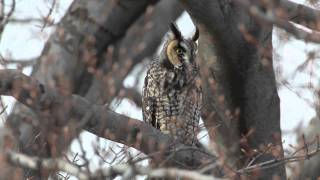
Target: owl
(172, 92)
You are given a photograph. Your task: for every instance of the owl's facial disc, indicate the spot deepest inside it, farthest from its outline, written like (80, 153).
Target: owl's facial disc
(172, 54)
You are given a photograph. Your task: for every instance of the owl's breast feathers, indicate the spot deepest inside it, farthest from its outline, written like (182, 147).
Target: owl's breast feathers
(172, 101)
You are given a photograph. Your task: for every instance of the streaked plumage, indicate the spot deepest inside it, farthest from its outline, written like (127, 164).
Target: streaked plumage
(172, 92)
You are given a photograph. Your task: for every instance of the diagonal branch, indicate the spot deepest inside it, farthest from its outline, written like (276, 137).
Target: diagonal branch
(272, 18)
(97, 119)
(140, 42)
(122, 16)
(301, 14)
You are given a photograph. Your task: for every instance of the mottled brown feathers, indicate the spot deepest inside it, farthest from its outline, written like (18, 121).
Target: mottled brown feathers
(171, 93)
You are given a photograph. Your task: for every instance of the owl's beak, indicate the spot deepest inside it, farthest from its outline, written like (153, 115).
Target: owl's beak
(178, 66)
(185, 59)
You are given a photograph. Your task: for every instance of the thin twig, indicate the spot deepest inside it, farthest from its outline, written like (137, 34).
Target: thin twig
(47, 18)
(277, 162)
(5, 20)
(48, 164)
(3, 110)
(22, 62)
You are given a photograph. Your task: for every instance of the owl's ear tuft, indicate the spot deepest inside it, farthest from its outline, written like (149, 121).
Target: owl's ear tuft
(196, 35)
(175, 31)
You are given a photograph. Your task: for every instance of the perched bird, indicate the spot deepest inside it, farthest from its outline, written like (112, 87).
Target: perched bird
(172, 93)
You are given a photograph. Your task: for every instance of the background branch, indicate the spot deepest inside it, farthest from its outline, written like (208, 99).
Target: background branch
(270, 18)
(300, 14)
(46, 164)
(94, 118)
(61, 165)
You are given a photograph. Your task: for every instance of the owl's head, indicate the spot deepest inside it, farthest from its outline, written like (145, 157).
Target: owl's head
(178, 51)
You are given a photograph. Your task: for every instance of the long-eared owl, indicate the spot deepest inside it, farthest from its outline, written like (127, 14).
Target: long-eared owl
(172, 93)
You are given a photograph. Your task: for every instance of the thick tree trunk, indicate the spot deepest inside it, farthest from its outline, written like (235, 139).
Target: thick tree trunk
(241, 108)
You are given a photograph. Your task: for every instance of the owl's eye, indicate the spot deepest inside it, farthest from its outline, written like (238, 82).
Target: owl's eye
(179, 50)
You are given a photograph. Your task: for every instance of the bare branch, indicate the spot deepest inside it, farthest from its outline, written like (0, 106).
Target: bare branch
(97, 119)
(157, 173)
(141, 41)
(31, 20)
(121, 17)
(277, 162)
(13, 7)
(272, 18)
(3, 109)
(301, 14)
(58, 164)
(47, 164)
(47, 19)
(64, 52)
(133, 95)
(21, 62)
(294, 12)
(6, 18)
(122, 169)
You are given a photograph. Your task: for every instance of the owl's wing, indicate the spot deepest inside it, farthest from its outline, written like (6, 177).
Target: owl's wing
(149, 113)
(195, 92)
(148, 104)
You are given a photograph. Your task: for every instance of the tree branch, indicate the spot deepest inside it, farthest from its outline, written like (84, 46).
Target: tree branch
(140, 42)
(121, 17)
(121, 169)
(47, 164)
(5, 19)
(97, 119)
(21, 62)
(156, 173)
(67, 58)
(285, 160)
(272, 18)
(301, 14)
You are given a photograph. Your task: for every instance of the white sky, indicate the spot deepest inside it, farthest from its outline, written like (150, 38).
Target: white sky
(26, 41)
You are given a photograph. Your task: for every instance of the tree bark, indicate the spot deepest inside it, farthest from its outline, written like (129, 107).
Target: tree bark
(68, 59)
(242, 109)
